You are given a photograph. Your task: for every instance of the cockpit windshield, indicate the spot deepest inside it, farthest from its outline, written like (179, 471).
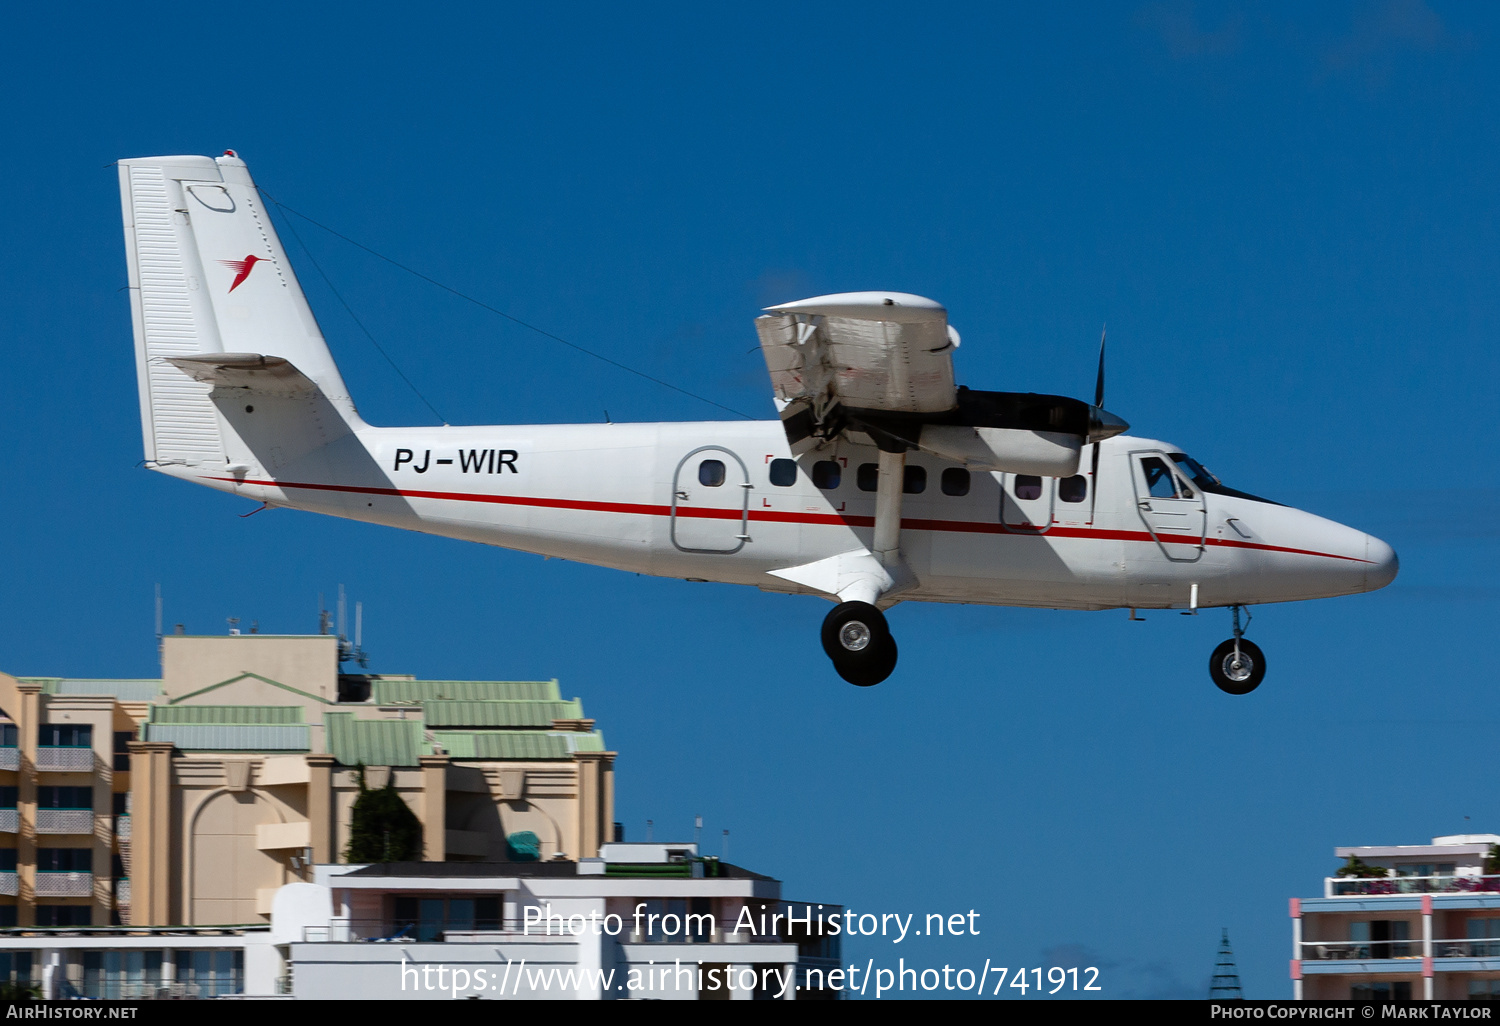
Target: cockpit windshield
(1204, 479)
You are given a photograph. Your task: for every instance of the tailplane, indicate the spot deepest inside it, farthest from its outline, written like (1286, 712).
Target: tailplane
(209, 278)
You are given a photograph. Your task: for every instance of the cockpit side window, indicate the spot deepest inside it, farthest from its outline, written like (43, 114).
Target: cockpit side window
(1161, 482)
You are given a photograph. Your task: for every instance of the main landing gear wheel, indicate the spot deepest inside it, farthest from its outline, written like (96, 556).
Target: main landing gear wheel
(1237, 671)
(859, 642)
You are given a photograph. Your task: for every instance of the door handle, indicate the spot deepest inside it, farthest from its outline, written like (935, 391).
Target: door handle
(683, 496)
(1143, 504)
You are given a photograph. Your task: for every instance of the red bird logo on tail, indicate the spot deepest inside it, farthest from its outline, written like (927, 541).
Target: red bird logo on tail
(241, 269)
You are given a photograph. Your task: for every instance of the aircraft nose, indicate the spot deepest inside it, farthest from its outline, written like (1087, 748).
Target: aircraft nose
(1382, 566)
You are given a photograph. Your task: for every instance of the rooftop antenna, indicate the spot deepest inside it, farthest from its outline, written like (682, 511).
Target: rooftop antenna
(697, 829)
(323, 618)
(648, 829)
(1226, 981)
(354, 653)
(158, 614)
(725, 856)
(234, 624)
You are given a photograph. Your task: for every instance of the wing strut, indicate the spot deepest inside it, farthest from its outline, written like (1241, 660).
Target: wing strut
(888, 493)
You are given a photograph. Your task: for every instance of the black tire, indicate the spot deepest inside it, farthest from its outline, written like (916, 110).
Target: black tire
(868, 674)
(858, 640)
(1237, 680)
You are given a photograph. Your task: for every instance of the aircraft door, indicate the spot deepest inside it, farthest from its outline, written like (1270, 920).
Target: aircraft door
(1172, 509)
(710, 502)
(1026, 503)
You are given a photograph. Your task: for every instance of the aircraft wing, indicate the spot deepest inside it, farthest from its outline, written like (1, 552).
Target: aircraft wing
(883, 352)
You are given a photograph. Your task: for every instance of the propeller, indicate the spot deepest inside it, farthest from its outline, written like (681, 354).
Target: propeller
(1095, 420)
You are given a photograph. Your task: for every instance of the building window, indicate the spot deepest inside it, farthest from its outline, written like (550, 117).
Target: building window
(122, 974)
(1482, 929)
(210, 973)
(955, 481)
(825, 474)
(15, 966)
(7, 918)
(783, 473)
(1073, 489)
(427, 918)
(1381, 938)
(8, 796)
(122, 749)
(8, 738)
(64, 915)
(711, 473)
(65, 860)
(7, 860)
(65, 797)
(66, 735)
(1381, 990)
(1484, 990)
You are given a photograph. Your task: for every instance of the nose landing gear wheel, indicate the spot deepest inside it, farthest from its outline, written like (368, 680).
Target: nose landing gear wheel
(1237, 673)
(856, 638)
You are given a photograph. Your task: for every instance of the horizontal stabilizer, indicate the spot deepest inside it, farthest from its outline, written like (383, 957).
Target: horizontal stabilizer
(265, 375)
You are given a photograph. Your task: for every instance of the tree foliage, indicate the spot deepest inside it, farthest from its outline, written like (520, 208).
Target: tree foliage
(1358, 867)
(1492, 861)
(384, 827)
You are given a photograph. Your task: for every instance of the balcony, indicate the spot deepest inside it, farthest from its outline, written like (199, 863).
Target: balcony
(10, 883)
(65, 821)
(10, 821)
(1410, 950)
(65, 760)
(122, 892)
(122, 827)
(1351, 886)
(10, 759)
(64, 885)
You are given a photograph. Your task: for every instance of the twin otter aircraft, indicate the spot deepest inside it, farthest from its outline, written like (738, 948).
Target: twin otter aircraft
(881, 482)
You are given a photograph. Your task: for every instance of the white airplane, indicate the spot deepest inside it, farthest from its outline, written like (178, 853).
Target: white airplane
(882, 481)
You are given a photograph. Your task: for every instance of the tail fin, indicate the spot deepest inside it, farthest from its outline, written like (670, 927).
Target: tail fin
(208, 276)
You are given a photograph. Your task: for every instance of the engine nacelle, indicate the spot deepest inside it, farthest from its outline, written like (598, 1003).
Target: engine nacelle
(1007, 450)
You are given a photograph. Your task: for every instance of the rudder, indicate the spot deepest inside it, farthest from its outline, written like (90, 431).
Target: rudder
(207, 275)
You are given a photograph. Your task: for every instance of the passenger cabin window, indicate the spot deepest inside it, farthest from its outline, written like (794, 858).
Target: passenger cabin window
(711, 473)
(1028, 486)
(955, 481)
(914, 482)
(783, 473)
(1073, 489)
(1161, 482)
(825, 474)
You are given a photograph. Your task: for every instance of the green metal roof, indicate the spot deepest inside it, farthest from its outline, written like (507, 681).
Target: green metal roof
(124, 690)
(499, 714)
(516, 744)
(236, 737)
(373, 742)
(226, 714)
(396, 692)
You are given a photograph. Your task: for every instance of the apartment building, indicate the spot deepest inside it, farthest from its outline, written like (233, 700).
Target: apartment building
(1404, 922)
(239, 769)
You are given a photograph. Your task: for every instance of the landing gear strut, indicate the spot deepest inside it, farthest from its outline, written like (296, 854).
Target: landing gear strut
(1237, 666)
(856, 638)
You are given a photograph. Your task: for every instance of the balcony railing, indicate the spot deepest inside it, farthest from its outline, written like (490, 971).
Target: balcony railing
(122, 827)
(64, 821)
(10, 883)
(65, 760)
(1364, 886)
(64, 885)
(1467, 947)
(10, 758)
(122, 891)
(10, 821)
(343, 930)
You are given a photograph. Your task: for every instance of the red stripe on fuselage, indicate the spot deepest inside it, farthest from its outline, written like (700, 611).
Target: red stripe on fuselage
(773, 516)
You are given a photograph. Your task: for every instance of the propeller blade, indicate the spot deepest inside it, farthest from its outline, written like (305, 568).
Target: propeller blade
(1094, 486)
(1099, 384)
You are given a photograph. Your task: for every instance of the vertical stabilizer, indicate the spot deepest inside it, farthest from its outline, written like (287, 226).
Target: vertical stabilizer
(208, 275)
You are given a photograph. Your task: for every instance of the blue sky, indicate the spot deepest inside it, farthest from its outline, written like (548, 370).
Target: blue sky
(1288, 220)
